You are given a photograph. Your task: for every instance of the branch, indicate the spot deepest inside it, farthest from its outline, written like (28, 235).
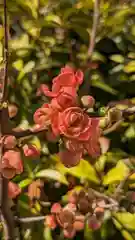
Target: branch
(30, 219)
(5, 82)
(6, 214)
(121, 185)
(94, 28)
(26, 133)
(86, 85)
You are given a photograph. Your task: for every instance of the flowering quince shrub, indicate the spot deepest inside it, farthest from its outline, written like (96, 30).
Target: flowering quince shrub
(79, 133)
(74, 204)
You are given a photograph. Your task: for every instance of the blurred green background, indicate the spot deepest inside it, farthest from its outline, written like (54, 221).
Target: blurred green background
(45, 35)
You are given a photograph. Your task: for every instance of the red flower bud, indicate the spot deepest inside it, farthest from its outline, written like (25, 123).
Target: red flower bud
(50, 222)
(9, 142)
(69, 233)
(79, 225)
(70, 159)
(11, 164)
(88, 101)
(93, 223)
(56, 208)
(13, 190)
(30, 150)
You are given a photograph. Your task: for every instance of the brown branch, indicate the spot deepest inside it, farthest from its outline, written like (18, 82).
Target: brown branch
(6, 214)
(86, 85)
(122, 184)
(26, 133)
(94, 28)
(5, 82)
(113, 128)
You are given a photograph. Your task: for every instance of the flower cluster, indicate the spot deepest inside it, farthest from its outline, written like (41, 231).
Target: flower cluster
(79, 132)
(82, 208)
(11, 163)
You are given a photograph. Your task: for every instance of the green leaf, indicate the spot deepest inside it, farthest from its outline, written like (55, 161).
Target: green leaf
(122, 222)
(52, 174)
(103, 86)
(26, 69)
(116, 174)
(83, 170)
(130, 67)
(47, 234)
(24, 183)
(18, 64)
(126, 219)
(117, 58)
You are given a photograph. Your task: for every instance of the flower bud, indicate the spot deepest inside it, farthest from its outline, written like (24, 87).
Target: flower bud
(13, 110)
(13, 190)
(30, 150)
(11, 164)
(69, 159)
(93, 223)
(9, 142)
(88, 101)
(69, 233)
(79, 223)
(50, 222)
(56, 208)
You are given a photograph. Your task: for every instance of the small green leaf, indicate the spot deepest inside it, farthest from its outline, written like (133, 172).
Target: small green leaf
(18, 64)
(116, 174)
(26, 69)
(83, 170)
(130, 67)
(24, 183)
(52, 174)
(117, 58)
(47, 234)
(103, 86)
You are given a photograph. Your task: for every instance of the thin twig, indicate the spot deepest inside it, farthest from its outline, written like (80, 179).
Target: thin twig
(30, 219)
(94, 28)
(113, 128)
(102, 195)
(121, 185)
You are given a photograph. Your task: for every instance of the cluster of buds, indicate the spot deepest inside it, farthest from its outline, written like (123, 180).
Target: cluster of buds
(11, 163)
(67, 120)
(82, 208)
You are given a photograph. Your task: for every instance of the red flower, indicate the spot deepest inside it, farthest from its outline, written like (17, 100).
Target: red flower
(30, 150)
(11, 164)
(13, 190)
(75, 124)
(67, 78)
(42, 115)
(9, 141)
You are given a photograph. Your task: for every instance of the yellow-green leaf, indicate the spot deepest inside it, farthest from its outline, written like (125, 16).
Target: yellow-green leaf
(117, 58)
(24, 183)
(130, 67)
(116, 174)
(83, 170)
(52, 174)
